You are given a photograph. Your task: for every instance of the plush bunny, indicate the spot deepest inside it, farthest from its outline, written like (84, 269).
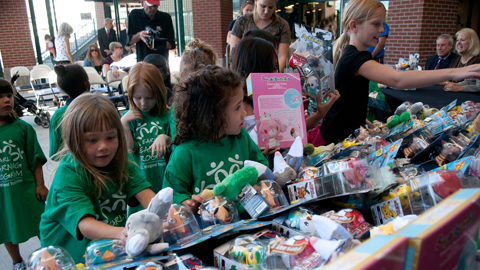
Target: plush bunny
(269, 130)
(145, 228)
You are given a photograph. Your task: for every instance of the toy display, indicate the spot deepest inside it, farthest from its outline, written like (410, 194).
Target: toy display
(180, 226)
(352, 220)
(231, 186)
(271, 193)
(217, 211)
(144, 228)
(282, 172)
(301, 253)
(104, 250)
(150, 266)
(50, 258)
(300, 219)
(248, 251)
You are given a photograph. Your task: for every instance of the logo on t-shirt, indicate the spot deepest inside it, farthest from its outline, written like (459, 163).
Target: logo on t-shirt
(219, 173)
(11, 171)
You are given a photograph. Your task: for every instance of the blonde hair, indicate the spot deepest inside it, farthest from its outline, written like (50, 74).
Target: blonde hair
(360, 11)
(255, 16)
(114, 45)
(91, 113)
(150, 77)
(474, 48)
(198, 55)
(89, 53)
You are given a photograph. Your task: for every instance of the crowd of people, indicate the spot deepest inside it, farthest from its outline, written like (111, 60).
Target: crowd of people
(173, 136)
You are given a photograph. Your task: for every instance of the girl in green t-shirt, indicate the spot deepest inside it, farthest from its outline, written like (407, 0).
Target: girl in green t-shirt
(94, 181)
(22, 190)
(147, 123)
(209, 136)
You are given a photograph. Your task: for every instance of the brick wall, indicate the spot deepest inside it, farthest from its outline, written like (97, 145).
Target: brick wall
(99, 15)
(415, 26)
(210, 22)
(15, 42)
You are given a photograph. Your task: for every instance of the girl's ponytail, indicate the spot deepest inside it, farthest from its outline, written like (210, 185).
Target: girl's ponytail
(338, 48)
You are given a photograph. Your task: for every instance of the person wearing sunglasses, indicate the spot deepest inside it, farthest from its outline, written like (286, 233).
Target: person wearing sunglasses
(117, 54)
(93, 58)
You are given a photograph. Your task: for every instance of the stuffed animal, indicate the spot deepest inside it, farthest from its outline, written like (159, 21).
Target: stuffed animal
(282, 172)
(269, 130)
(231, 186)
(264, 173)
(145, 228)
(395, 120)
(312, 85)
(295, 154)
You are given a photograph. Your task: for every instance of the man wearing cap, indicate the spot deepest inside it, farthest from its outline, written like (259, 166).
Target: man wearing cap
(139, 19)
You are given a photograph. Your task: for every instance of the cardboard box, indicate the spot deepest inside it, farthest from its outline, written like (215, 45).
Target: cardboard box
(445, 237)
(380, 252)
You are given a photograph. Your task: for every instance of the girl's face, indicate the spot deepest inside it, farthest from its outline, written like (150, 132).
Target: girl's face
(100, 147)
(235, 112)
(142, 98)
(265, 8)
(247, 9)
(463, 43)
(6, 104)
(369, 31)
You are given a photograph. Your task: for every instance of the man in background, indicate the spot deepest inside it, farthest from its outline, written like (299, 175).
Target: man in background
(124, 39)
(105, 36)
(444, 56)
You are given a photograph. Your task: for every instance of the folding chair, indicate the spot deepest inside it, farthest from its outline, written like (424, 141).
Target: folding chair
(90, 69)
(115, 82)
(52, 81)
(125, 84)
(95, 78)
(41, 90)
(22, 72)
(43, 66)
(80, 63)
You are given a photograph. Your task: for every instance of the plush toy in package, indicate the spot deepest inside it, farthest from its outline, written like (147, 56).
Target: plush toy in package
(279, 113)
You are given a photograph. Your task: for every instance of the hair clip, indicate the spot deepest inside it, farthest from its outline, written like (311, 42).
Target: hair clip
(196, 48)
(345, 32)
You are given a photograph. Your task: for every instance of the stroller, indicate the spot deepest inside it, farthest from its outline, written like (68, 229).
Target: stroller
(22, 105)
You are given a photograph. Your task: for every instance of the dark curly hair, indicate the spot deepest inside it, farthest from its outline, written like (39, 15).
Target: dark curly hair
(7, 88)
(72, 79)
(200, 103)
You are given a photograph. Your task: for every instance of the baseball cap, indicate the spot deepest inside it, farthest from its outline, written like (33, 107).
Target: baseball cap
(153, 2)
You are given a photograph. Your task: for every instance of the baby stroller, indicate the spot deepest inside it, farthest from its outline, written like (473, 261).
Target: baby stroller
(42, 117)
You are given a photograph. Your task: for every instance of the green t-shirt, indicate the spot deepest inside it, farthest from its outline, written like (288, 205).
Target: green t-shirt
(55, 131)
(72, 195)
(20, 153)
(196, 166)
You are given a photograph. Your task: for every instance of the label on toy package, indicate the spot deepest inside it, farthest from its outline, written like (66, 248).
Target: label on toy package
(302, 191)
(385, 156)
(387, 211)
(279, 112)
(457, 165)
(251, 201)
(278, 246)
(449, 106)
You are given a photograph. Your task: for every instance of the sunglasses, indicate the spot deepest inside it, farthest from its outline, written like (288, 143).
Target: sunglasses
(94, 50)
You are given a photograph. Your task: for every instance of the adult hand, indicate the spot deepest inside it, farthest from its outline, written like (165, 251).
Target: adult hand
(194, 203)
(41, 192)
(107, 51)
(159, 145)
(115, 72)
(143, 34)
(127, 47)
(453, 87)
(131, 116)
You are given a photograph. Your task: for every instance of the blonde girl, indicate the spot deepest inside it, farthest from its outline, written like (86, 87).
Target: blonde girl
(198, 55)
(354, 68)
(94, 181)
(147, 122)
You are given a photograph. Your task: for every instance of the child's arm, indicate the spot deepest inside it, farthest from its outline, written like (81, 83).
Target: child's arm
(379, 73)
(41, 191)
(94, 229)
(144, 197)
(128, 117)
(160, 145)
(322, 109)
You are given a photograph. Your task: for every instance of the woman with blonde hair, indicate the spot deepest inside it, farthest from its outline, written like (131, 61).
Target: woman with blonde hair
(468, 46)
(117, 54)
(62, 45)
(198, 55)
(263, 17)
(93, 58)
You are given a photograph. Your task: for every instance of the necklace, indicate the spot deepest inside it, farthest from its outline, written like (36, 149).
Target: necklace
(461, 64)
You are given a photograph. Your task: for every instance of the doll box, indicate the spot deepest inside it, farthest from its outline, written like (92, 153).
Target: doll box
(279, 112)
(380, 252)
(445, 237)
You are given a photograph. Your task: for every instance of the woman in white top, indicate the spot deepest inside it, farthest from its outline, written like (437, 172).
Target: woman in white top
(62, 45)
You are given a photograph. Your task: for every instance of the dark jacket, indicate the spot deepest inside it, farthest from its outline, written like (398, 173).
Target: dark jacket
(104, 41)
(433, 60)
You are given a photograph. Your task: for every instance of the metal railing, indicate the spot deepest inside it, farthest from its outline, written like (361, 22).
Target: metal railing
(78, 40)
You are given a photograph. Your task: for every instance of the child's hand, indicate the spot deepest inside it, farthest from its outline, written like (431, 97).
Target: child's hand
(267, 151)
(193, 203)
(159, 145)
(123, 234)
(41, 193)
(323, 108)
(131, 116)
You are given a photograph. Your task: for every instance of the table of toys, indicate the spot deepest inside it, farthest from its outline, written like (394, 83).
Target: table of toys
(398, 195)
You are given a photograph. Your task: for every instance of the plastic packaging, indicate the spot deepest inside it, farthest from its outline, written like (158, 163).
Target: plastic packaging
(217, 211)
(51, 258)
(103, 251)
(248, 251)
(180, 226)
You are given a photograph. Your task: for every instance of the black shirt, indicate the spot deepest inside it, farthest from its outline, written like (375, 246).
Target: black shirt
(162, 22)
(350, 110)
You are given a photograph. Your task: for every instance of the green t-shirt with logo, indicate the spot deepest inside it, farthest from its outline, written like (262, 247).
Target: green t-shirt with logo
(196, 166)
(72, 195)
(20, 153)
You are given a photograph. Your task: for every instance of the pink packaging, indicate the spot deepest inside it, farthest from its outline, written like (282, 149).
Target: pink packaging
(278, 106)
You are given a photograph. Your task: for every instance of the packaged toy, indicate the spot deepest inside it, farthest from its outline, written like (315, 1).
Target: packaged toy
(248, 251)
(50, 258)
(180, 226)
(103, 251)
(217, 211)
